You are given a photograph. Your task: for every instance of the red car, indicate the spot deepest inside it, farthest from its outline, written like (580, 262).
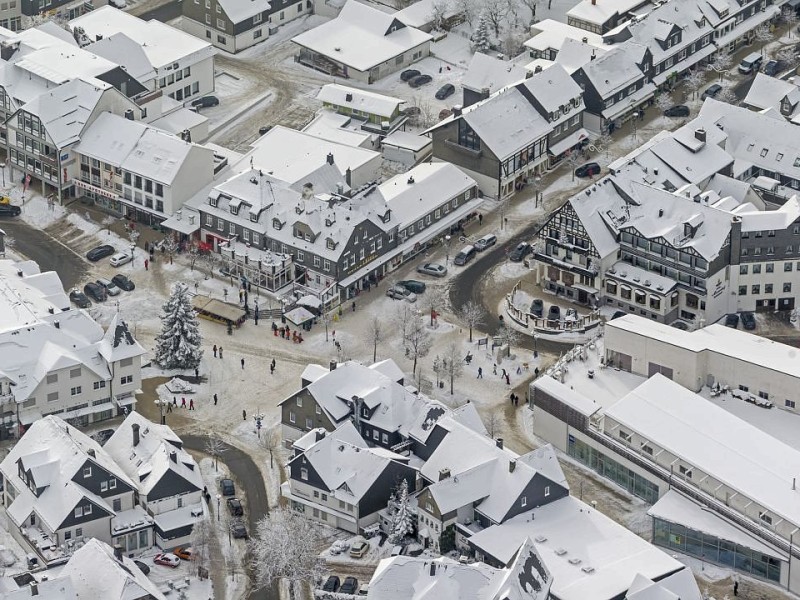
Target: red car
(168, 559)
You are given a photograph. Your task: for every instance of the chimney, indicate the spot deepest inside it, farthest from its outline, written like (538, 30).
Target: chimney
(20, 273)
(129, 114)
(91, 453)
(499, 442)
(660, 212)
(56, 324)
(34, 588)
(135, 429)
(512, 464)
(700, 134)
(444, 474)
(330, 158)
(348, 176)
(118, 553)
(173, 456)
(332, 365)
(457, 110)
(655, 171)
(594, 2)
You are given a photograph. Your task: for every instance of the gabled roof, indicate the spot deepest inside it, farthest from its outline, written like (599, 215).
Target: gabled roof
(612, 72)
(118, 342)
(121, 49)
(239, 10)
(369, 102)
(492, 74)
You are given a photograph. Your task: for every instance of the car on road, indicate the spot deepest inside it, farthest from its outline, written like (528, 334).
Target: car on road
(79, 298)
(96, 254)
(485, 242)
(732, 320)
(95, 292)
(168, 559)
(206, 101)
(350, 586)
(109, 287)
(10, 210)
(748, 321)
(227, 487)
(773, 67)
(239, 531)
(447, 90)
(432, 269)
(121, 258)
(397, 292)
(332, 584)
(408, 75)
(420, 80)
(588, 170)
(521, 251)
(235, 507)
(412, 285)
(537, 307)
(143, 567)
(711, 91)
(359, 548)
(679, 110)
(123, 282)
(554, 313)
(183, 553)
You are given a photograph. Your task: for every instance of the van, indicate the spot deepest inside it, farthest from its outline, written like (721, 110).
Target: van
(750, 63)
(464, 256)
(485, 242)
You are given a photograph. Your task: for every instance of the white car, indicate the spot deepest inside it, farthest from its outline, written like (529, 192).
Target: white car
(400, 293)
(111, 288)
(121, 258)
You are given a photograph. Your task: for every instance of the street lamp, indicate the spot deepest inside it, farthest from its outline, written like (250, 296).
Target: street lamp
(3, 167)
(133, 252)
(195, 288)
(219, 499)
(447, 252)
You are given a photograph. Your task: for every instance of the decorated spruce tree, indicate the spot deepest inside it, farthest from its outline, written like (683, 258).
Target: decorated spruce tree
(178, 344)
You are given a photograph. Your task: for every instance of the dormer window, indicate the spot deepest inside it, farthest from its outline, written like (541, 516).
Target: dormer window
(234, 209)
(254, 217)
(212, 202)
(330, 244)
(276, 224)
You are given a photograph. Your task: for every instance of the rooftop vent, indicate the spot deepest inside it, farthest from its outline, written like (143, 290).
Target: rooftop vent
(660, 212)
(700, 134)
(561, 552)
(411, 180)
(540, 539)
(574, 561)
(348, 97)
(587, 569)
(444, 474)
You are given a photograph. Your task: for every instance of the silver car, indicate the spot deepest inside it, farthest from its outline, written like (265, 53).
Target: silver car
(400, 293)
(432, 269)
(111, 289)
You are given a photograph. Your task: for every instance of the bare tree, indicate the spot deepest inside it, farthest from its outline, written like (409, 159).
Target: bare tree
(573, 159)
(375, 335)
(694, 81)
(107, 223)
(727, 95)
(495, 12)
(790, 17)
(210, 260)
(787, 56)
(170, 246)
(434, 299)
(663, 102)
(512, 10)
(531, 5)
(473, 315)
(215, 447)
(439, 12)
(416, 337)
(508, 337)
(286, 546)
(468, 9)
(514, 40)
(200, 541)
(720, 63)
(271, 442)
(764, 35)
(453, 365)
(603, 143)
(194, 255)
(494, 424)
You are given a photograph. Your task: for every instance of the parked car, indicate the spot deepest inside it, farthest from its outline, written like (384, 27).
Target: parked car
(143, 567)
(409, 74)
(350, 586)
(588, 170)
(773, 67)
(10, 210)
(732, 320)
(748, 321)
(447, 90)
(485, 242)
(123, 282)
(554, 313)
(397, 292)
(711, 91)
(521, 251)
(432, 269)
(363, 590)
(679, 110)
(168, 559)
(239, 531)
(537, 307)
(227, 487)
(109, 287)
(206, 101)
(332, 584)
(96, 254)
(120, 259)
(412, 285)
(95, 292)
(264, 129)
(235, 507)
(79, 298)
(420, 80)
(466, 254)
(359, 548)
(750, 63)
(183, 553)
(397, 550)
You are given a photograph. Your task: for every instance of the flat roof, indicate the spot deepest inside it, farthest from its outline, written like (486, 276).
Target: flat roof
(715, 441)
(583, 404)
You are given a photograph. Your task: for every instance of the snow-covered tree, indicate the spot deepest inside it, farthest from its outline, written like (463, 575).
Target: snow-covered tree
(508, 337)
(495, 12)
(573, 159)
(215, 447)
(402, 520)
(531, 5)
(481, 36)
(468, 9)
(271, 442)
(790, 17)
(787, 56)
(200, 542)
(416, 336)
(434, 299)
(178, 344)
(727, 95)
(720, 63)
(453, 365)
(694, 81)
(663, 102)
(107, 223)
(439, 10)
(286, 546)
(473, 315)
(375, 335)
(494, 424)
(763, 34)
(170, 247)
(514, 40)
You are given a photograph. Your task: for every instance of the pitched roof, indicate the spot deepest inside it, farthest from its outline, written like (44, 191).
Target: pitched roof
(118, 342)
(612, 72)
(240, 10)
(490, 73)
(369, 102)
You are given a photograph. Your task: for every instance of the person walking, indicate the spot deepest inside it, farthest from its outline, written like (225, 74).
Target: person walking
(242, 363)
(146, 264)
(354, 306)
(191, 403)
(169, 407)
(504, 374)
(183, 402)
(480, 373)
(508, 379)
(244, 415)
(215, 399)
(220, 351)
(196, 374)
(215, 351)
(272, 364)
(494, 371)
(174, 402)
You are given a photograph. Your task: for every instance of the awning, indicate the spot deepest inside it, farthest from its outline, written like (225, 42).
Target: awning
(310, 301)
(299, 315)
(585, 288)
(627, 104)
(217, 308)
(186, 224)
(568, 142)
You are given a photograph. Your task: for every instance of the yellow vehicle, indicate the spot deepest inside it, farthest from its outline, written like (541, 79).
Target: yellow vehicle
(5, 200)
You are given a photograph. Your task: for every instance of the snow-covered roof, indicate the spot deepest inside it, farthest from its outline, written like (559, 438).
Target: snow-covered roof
(420, 13)
(769, 92)
(53, 451)
(567, 395)
(121, 49)
(163, 44)
(592, 11)
(709, 438)
(340, 128)
(553, 88)
(610, 555)
(96, 573)
(678, 586)
(239, 10)
(576, 53)
(48, 587)
(353, 98)
(771, 220)
(612, 72)
(663, 21)
(118, 342)
(362, 37)
(550, 34)
(404, 139)
(159, 453)
(487, 72)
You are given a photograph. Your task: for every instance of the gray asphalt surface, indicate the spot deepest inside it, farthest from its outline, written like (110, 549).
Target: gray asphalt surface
(163, 13)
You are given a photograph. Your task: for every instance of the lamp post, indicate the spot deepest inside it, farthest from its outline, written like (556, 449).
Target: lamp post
(196, 285)
(3, 167)
(133, 252)
(447, 251)
(219, 499)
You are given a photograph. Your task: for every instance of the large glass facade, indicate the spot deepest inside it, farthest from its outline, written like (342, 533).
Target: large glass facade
(713, 549)
(620, 474)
